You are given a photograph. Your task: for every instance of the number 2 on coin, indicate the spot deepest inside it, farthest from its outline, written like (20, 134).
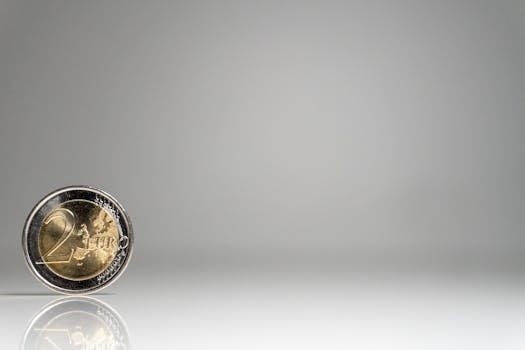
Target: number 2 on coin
(68, 220)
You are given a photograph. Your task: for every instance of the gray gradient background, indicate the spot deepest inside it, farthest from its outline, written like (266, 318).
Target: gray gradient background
(347, 136)
(263, 132)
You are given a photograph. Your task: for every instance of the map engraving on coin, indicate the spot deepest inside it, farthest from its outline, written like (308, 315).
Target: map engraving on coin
(77, 240)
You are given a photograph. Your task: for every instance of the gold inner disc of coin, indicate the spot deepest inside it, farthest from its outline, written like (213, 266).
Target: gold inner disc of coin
(78, 240)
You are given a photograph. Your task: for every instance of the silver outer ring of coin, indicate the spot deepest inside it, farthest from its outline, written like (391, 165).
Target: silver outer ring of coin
(89, 305)
(32, 228)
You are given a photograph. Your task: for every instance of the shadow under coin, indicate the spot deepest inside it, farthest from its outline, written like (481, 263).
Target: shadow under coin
(76, 323)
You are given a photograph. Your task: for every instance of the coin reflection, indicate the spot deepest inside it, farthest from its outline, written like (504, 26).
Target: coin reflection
(76, 323)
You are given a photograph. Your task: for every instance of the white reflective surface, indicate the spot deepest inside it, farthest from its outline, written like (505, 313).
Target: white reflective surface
(207, 311)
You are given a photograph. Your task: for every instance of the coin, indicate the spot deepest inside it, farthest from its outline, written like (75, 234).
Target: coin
(77, 240)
